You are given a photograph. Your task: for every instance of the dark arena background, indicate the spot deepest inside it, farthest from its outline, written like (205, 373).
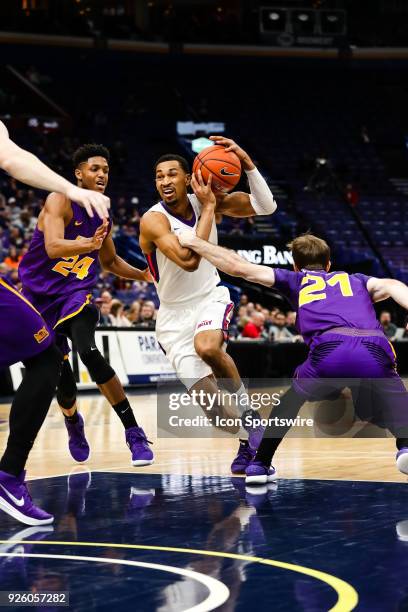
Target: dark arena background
(316, 91)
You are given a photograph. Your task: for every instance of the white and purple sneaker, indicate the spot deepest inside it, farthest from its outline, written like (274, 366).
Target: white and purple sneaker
(77, 442)
(139, 446)
(16, 501)
(244, 457)
(402, 460)
(255, 431)
(258, 473)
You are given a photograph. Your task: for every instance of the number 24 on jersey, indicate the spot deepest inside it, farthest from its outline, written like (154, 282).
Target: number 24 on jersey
(74, 265)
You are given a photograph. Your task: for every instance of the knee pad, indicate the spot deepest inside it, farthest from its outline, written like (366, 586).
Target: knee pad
(67, 389)
(98, 368)
(65, 401)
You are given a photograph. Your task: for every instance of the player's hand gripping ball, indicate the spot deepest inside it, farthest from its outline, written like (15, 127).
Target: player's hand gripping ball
(224, 166)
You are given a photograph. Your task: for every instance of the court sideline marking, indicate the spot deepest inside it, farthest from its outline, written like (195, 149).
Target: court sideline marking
(218, 592)
(347, 597)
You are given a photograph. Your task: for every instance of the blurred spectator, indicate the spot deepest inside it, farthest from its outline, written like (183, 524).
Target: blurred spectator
(274, 312)
(255, 327)
(104, 319)
(13, 278)
(12, 260)
(250, 308)
(291, 322)
(134, 312)
(389, 328)
(117, 315)
(278, 331)
(147, 314)
(16, 237)
(243, 301)
(106, 297)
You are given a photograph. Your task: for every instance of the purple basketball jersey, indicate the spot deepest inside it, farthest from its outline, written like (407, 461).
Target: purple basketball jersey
(23, 332)
(54, 278)
(326, 300)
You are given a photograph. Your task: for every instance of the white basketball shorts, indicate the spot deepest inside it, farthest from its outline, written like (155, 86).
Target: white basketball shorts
(177, 326)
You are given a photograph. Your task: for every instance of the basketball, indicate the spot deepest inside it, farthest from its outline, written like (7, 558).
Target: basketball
(224, 166)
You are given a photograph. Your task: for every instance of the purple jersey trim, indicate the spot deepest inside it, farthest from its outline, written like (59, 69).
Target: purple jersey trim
(70, 315)
(190, 222)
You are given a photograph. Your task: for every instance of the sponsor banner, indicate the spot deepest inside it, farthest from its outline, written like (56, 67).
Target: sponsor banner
(258, 251)
(135, 356)
(143, 359)
(268, 255)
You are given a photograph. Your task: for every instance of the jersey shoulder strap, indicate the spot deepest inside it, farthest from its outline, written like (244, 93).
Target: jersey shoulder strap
(195, 203)
(157, 208)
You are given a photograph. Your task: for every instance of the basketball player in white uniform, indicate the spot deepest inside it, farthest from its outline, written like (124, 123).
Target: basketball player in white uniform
(194, 311)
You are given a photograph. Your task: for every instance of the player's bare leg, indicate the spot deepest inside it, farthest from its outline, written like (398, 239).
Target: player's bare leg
(69, 412)
(113, 391)
(225, 411)
(209, 346)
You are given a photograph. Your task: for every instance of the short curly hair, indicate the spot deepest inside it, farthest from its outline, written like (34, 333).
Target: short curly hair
(83, 153)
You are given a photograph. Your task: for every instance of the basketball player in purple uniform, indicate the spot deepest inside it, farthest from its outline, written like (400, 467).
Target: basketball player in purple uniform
(58, 274)
(24, 336)
(336, 317)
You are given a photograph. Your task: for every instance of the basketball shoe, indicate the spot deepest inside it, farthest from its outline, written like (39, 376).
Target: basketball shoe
(255, 431)
(244, 457)
(77, 442)
(402, 460)
(16, 501)
(139, 446)
(258, 473)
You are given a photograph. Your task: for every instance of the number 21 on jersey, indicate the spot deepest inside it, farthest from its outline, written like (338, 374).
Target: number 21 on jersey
(317, 285)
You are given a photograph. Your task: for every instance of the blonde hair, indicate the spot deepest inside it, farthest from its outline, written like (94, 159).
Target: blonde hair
(310, 252)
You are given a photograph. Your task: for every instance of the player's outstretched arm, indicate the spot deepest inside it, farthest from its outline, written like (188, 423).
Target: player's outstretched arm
(57, 211)
(384, 288)
(111, 262)
(27, 168)
(239, 204)
(227, 261)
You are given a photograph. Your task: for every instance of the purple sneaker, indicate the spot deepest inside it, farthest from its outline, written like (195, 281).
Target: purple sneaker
(258, 473)
(402, 460)
(16, 501)
(139, 446)
(255, 432)
(244, 457)
(77, 443)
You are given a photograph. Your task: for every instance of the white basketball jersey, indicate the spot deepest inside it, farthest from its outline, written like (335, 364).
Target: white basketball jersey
(175, 285)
